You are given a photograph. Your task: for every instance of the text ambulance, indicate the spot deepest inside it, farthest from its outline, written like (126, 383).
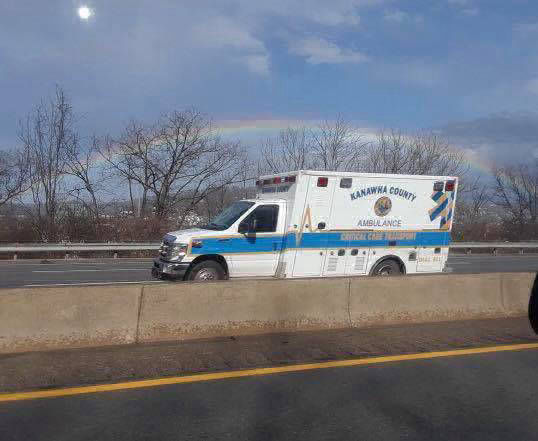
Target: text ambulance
(320, 224)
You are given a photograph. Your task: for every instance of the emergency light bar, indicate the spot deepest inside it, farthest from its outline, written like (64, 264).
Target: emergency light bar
(277, 180)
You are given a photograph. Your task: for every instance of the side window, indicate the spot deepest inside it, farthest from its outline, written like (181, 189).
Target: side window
(266, 218)
(346, 182)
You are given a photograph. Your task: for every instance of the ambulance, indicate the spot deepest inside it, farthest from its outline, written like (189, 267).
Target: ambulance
(320, 224)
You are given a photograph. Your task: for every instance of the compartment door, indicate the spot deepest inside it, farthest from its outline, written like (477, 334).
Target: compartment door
(357, 261)
(335, 262)
(429, 260)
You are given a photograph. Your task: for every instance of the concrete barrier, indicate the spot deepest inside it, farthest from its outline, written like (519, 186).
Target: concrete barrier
(62, 317)
(195, 310)
(67, 317)
(438, 297)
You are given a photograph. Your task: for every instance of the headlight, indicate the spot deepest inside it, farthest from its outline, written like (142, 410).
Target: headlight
(178, 250)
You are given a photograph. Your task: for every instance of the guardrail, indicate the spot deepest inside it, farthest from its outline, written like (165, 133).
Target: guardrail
(115, 248)
(69, 248)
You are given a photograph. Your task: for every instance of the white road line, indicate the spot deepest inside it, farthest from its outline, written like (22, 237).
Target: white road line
(90, 270)
(74, 263)
(93, 283)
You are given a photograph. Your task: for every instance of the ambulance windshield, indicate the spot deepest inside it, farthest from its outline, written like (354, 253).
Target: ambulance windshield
(228, 216)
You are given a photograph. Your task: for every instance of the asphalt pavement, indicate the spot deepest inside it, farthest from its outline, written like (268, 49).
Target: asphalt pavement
(468, 395)
(107, 271)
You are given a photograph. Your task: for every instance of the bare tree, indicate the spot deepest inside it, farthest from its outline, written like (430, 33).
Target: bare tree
(14, 174)
(290, 150)
(516, 193)
(88, 179)
(130, 158)
(475, 213)
(420, 154)
(178, 161)
(336, 145)
(48, 134)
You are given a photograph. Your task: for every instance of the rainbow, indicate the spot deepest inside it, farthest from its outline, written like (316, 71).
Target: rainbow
(252, 131)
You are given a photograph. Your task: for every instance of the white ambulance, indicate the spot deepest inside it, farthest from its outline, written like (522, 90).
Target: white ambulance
(320, 224)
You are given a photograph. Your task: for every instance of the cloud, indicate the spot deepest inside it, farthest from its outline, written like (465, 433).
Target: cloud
(334, 18)
(412, 72)
(321, 51)
(471, 12)
(222, 32)
(322, 12)
(257, 64)
(499, 138)
(532, 86)
(396, 16)
(526, 29)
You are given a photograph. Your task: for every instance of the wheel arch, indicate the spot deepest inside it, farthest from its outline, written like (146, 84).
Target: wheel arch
(214, 257)
(397, 259)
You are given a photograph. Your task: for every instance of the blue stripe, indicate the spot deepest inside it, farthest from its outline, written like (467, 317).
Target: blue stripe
(437, 195)
(314, 240)
(439, 209)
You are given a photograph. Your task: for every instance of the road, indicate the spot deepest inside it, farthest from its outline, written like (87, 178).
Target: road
(467, 395)
(80, 272)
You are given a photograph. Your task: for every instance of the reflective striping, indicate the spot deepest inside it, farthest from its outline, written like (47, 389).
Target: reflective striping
(318, 240)
(52, 393)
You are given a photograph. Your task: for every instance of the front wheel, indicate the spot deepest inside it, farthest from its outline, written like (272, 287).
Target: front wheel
(206, 271)
(387, 268)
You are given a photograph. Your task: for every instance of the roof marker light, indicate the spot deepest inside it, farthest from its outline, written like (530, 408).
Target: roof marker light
(322, 182)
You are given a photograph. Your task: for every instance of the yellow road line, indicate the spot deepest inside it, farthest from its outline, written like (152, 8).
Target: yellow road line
(18, 396)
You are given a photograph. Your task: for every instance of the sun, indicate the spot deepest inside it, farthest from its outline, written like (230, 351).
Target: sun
(84, 12)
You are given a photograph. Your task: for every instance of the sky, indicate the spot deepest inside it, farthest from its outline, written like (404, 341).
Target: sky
(467, 69)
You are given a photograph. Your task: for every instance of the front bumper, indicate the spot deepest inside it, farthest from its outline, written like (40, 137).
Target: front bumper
(162, 269)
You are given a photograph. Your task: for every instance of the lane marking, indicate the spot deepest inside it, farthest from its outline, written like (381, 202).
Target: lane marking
(80, 260)
(89, 270)
(93, 283)
(50, 393)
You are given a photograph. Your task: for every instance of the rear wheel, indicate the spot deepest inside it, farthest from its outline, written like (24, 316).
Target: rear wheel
(206, 271)
(388, 267)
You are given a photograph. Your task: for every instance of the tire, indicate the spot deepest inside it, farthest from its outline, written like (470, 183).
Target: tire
(387, 267)
(206, 271)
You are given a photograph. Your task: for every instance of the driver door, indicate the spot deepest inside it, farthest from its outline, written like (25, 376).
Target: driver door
(258, 250)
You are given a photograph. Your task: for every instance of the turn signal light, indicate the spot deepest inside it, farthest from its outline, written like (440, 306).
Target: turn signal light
(450, 185)
(322, 182)
(277, 180)
(289, 179)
